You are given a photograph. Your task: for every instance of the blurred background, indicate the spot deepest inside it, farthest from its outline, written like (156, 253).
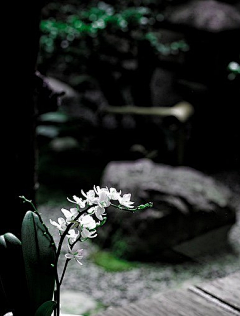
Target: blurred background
(152, 55)
(144, 96)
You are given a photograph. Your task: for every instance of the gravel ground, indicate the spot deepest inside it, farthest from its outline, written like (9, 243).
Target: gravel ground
(120, 288)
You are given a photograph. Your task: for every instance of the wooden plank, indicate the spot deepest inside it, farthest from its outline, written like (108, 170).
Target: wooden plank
(186, 303)
(226, 290)
(174, 303)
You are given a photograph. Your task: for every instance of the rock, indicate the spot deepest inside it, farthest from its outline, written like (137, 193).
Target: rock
(208, 15)
(187, 204)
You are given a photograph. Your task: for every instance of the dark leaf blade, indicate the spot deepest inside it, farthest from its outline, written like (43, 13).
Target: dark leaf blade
(46, 309)
(12, 274)
(39, 255)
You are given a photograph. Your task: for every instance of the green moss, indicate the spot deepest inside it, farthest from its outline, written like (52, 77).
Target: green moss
(111, 263)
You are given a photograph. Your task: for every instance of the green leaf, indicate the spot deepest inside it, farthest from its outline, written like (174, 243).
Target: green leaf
(46, 309)
(12, 241)
(13, 287)
(39, 255)
(2, 242)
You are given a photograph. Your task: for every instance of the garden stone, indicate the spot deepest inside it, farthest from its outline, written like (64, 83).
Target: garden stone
(211, 16)
(191, 214)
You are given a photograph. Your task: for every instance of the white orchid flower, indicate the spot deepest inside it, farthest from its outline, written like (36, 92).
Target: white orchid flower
(125, 200)
(98, 190)
(70, 215)
(78, 201)
(61, 225)
(91, 210)
(87, 221)
(85, 233)
(113, 194)
(88, 225)
(72, 235)
(98, 211)
(103, 200)
(75, 254)
(90, 197)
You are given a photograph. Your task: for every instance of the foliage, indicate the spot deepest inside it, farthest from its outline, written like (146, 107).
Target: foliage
(29, 283)
(74, 35)
(92, 24)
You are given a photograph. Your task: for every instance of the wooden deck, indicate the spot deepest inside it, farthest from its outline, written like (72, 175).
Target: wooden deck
(220, 297)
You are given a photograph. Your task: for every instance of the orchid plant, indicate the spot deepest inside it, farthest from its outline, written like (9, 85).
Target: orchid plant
(41, 253)
(81, 222)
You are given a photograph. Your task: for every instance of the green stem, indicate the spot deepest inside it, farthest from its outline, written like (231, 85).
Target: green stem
(29, 201)
(66, 263)
(57, 300)
(71, 246)
(133, 210)
(64, 270)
